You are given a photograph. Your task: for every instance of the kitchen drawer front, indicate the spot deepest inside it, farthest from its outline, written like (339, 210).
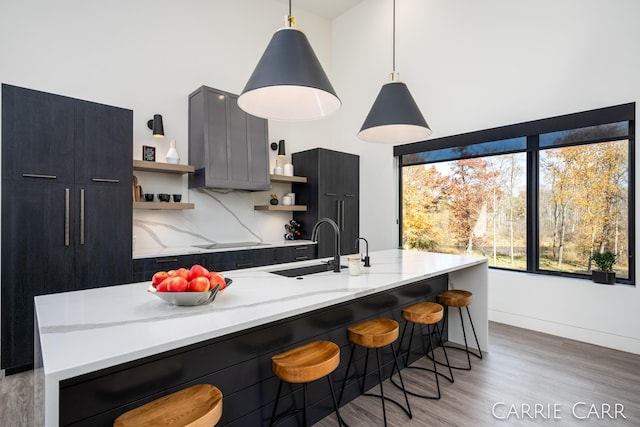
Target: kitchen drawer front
(235, 260)
(296, 253)
(144, 268)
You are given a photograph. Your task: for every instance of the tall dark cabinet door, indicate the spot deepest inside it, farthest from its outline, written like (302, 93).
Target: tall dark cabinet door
(331, 191)
(103, 240)
(37, 258)
(103, 177)
(40, 129)
(103, 136)
(66, 205)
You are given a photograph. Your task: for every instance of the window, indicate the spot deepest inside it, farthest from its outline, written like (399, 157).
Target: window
(542, 199)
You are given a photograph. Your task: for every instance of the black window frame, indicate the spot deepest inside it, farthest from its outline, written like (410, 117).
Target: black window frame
(531, 131)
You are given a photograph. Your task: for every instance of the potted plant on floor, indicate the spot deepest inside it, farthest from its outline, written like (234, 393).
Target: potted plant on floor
(605, 273)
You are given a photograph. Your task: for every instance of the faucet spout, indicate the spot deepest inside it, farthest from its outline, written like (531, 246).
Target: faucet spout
(336, 231)
(366, 259)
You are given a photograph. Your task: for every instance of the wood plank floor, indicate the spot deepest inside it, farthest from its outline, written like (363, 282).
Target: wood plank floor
(523, 368)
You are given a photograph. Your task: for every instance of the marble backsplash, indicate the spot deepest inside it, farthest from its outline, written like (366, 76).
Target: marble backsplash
(218, 217)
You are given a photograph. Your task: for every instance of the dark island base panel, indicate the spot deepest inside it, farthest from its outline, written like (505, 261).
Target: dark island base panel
(240, 365)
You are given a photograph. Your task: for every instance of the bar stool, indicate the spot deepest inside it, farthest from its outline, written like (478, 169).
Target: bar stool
(429, 314)
(460, 298)
(197, 406)
(375, 333)
(304, 364)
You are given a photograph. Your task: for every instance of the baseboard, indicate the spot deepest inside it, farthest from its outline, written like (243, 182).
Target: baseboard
(617, 342)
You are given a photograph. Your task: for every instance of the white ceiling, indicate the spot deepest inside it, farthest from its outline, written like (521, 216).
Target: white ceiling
(326, 8)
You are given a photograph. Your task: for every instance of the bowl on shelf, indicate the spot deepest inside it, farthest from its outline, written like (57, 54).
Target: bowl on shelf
(164, 197)
(188, 298)
(148, 197)
(177, 198)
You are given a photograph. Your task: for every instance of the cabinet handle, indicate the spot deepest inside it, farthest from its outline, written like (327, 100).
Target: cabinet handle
(301, 258)
(82, 216)
(66, 217)
(302, 248)
(162, 261)
(245, 264)
(35, 175)
(341, 215)
(330, 194)
(338, 216)
(349, 195)
(113, 181)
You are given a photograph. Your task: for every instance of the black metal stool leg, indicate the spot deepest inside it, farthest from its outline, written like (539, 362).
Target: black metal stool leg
(474, 335)
(464, 336)
(304, 405)
(395, 364)
(446, 357)
(432, 357)
(435, 366)
(275, 405)
(384, 409)
(335, 404)
(346, 374)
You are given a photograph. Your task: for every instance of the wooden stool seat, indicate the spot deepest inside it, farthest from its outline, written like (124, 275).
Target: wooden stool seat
(460, 298)
(306, 363)
(455, 298)
(429, 314)
(196, 406)
(374, 333)
(425, 313)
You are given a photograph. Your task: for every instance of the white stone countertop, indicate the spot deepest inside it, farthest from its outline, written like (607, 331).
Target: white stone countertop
(85, 331)
(190, 250)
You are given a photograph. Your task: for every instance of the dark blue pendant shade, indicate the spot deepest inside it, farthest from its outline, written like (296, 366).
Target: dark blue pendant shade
(289, 83)
(394, 117)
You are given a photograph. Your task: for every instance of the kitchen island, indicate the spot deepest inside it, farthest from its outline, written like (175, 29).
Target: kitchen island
(103, 351)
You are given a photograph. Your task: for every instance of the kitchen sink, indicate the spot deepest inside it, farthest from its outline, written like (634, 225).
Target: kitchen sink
(229, 245)
(303, 271)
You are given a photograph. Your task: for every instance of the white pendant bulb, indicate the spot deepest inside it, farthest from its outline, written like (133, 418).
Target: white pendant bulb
(394, 117)
(289, 84)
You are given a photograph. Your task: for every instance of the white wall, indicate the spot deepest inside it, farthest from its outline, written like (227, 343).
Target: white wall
(148, 56)
(470, 65)
(474, 65)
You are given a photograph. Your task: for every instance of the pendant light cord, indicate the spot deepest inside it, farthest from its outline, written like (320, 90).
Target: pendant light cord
(394, 37)
(290, 18)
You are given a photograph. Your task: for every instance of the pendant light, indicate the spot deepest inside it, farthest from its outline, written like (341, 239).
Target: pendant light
(394, 117)
(289, 83)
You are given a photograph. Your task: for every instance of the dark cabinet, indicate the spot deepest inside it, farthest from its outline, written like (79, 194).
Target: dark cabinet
(227, 146)
(145, 268)
(331, 191)
(295, 253)
(66, 205)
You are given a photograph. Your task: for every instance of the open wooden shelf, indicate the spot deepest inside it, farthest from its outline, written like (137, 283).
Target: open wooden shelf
(142, 165)
(162, 205)
(285, 178)
(300, 208)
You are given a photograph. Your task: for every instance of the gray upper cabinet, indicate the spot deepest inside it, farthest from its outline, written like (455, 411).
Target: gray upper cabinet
(227, 146)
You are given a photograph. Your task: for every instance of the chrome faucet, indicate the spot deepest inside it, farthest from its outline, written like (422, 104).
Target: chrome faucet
(367, 261)
(336, 253)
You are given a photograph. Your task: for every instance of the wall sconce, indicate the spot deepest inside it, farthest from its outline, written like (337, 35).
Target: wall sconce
(280, 147)
(156, 126)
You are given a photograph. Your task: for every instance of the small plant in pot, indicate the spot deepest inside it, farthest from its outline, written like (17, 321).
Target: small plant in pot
(605, 273)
